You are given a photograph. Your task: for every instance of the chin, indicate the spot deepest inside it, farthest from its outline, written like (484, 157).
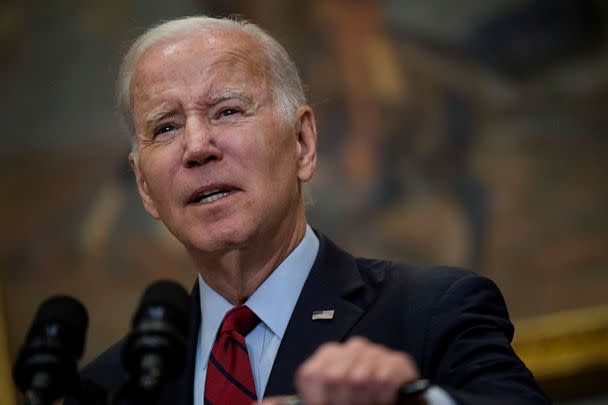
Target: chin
(215, 241)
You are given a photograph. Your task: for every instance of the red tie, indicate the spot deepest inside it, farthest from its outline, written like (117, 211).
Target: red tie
(229, 378)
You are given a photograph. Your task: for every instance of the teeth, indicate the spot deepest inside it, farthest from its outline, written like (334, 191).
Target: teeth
(208, 193)
(214, 197)
(211, 196)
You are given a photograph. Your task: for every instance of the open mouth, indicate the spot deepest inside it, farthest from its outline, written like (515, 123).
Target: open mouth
(210, 196)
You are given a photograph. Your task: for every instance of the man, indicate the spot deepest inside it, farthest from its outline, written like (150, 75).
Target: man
(223, 143)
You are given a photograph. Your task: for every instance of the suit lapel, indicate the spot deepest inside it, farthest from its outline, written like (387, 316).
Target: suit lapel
(334, 283)
(333, 278)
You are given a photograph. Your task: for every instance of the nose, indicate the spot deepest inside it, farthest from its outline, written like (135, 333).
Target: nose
(199, 145)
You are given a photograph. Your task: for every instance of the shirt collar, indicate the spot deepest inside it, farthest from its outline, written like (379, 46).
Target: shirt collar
(273, 302)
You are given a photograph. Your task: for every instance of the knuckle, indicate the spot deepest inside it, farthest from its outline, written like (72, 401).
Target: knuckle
(385, 378)
(360, 376)
(327, 348)
(402, 360)
(306, 372)
(357, 341)
(332, 377)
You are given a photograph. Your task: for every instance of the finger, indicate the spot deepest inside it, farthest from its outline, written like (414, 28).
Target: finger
(311, 381)
(378, 374)
(396, 369)
(324, 378)
(364, 375)
(341, 387)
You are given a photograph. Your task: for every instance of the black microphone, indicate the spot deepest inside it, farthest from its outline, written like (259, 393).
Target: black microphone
(46, 367)
(155, 350)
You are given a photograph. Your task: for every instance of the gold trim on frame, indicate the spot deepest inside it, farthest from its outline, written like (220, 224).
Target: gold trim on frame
(566, 351)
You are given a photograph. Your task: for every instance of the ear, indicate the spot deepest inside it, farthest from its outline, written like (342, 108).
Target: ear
(142, 187)
(306, 132)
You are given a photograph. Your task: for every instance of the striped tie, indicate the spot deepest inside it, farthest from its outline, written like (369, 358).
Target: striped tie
(229, 378)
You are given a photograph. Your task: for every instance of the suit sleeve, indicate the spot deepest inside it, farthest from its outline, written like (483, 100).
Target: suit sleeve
(468, 347)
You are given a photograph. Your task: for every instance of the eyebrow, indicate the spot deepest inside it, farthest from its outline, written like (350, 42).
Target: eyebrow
(229, 95)
(163, 112)
(158, 115)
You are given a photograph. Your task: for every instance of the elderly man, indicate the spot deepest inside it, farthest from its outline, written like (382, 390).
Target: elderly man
(223, 143)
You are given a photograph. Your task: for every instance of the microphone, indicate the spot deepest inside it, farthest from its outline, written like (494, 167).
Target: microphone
(155, 350)
(46, 367)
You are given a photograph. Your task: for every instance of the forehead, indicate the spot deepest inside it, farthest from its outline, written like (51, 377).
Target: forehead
(203, 55)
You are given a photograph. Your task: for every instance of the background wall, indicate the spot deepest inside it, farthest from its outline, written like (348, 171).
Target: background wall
(470, 134)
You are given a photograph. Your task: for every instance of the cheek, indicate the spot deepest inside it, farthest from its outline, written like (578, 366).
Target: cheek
(248, 151)
(159, 170)
(282, 158)
(268, 162)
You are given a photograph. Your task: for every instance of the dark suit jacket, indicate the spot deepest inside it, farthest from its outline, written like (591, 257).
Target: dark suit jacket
(453, 323)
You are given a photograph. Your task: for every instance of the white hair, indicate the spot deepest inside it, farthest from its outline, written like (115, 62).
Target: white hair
(285, 83)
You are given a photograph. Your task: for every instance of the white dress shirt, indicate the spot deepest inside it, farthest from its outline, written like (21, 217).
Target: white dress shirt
(273, 302)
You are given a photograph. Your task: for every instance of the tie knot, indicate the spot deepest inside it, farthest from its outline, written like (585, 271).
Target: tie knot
(240, 319)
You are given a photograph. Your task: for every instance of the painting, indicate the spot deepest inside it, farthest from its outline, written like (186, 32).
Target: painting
(474, 138)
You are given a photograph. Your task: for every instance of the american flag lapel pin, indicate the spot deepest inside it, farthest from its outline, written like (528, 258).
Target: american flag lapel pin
(323, 315)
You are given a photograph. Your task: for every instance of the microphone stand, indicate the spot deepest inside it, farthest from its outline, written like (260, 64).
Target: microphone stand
(146, 387)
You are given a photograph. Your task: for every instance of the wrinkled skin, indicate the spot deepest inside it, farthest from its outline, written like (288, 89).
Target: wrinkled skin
(206, 119)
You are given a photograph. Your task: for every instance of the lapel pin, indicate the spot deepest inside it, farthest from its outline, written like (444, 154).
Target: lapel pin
(320, 315)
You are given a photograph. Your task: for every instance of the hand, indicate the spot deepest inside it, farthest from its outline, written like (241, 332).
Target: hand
(354, 372)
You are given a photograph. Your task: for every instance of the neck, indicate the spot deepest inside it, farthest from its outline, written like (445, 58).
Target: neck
(237, 273)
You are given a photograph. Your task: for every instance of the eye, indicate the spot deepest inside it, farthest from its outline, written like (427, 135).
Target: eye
(163, 129)
(228, 111)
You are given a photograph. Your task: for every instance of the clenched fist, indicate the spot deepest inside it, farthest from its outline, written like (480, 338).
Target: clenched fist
(354, 372)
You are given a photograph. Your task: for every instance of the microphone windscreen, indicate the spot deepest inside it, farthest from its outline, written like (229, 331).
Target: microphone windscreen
(61, 318)
(165, 300)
